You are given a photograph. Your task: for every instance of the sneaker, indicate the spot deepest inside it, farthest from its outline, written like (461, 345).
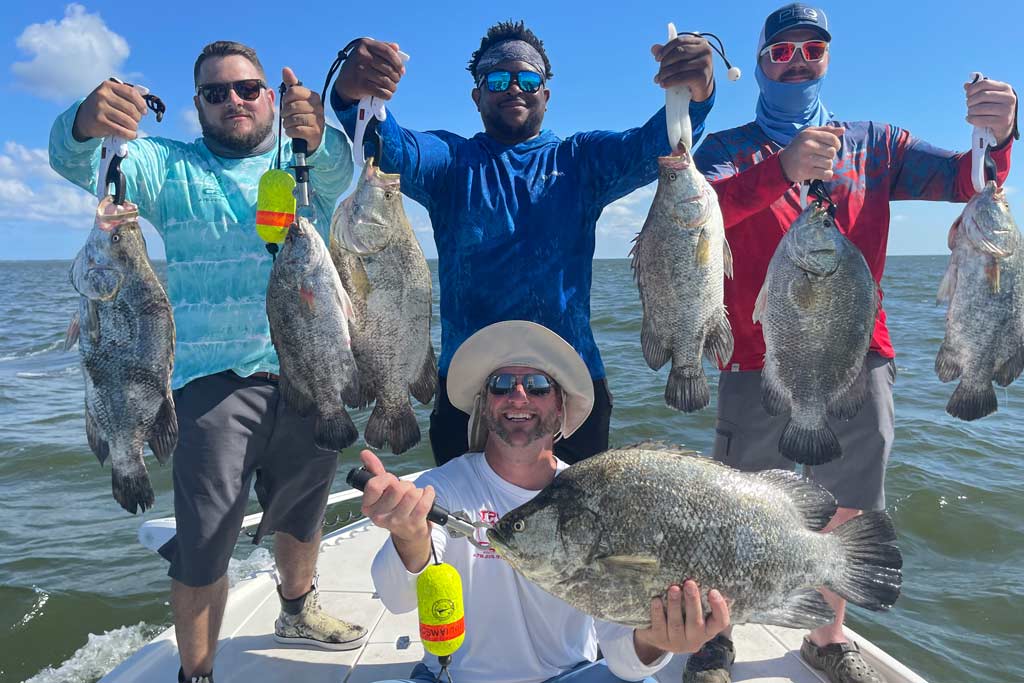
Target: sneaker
(711, 663)
(310, 625)
(841, 662)
(201, 678)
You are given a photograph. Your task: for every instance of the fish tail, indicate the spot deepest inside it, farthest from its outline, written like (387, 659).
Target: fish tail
(814, 445)
(396, 427)
(335, 432)
(970, 402)
(872, 575)
(687, 389)
(132, 490)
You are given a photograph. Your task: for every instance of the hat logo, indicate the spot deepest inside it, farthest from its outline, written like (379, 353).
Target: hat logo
(798, 13)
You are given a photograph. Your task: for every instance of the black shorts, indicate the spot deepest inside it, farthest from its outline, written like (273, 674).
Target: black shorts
(231, 428)
(449, 425)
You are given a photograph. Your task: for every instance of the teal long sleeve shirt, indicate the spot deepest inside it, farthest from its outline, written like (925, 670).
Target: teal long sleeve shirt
(204, 208)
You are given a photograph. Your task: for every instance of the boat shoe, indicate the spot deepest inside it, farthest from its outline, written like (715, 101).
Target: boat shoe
(841, 662)
(303, 622)
(711, 663)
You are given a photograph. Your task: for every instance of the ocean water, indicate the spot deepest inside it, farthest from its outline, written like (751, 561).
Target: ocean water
(78, 593)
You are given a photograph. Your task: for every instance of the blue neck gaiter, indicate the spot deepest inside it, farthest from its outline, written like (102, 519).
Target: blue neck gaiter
(784, 109)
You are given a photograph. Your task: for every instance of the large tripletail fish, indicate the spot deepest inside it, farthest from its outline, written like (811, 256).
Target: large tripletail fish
(309, 313)
(817, 308)
(382, 266)
(985, 320)
(616, 530)
(125, 334)
(679, 261)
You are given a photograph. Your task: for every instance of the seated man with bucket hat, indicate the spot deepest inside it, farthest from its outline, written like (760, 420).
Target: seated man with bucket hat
(523, 387)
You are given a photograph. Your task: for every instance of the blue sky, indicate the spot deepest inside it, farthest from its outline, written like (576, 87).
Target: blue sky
(898, 62)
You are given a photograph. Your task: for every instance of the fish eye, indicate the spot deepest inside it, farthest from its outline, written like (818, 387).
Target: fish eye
(518, 525)
(388, 195)
(115, 238)
(671, 176)
(828, 223)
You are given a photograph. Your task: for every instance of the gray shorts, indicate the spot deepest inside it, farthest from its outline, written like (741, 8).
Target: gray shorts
(747, 438)
(229, 429)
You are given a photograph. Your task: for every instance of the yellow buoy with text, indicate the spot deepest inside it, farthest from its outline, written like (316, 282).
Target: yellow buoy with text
(442, 619)
(275, 205)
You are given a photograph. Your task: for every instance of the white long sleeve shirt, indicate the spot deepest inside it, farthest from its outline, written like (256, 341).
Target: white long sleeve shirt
(515, 632)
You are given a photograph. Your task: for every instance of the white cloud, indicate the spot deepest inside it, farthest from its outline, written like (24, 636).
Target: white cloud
(31, 191)
(191, 118)
(70, 57)
(898, 218)
(624, 217)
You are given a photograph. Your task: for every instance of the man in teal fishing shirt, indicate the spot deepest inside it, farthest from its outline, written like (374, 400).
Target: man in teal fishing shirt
(514, 209)
(201, 197)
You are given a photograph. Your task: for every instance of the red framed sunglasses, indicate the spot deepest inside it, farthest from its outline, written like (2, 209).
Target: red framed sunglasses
(781, 53)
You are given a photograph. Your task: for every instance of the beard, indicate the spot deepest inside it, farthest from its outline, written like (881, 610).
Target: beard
(546, 425)
(524, 131)
(239, 142)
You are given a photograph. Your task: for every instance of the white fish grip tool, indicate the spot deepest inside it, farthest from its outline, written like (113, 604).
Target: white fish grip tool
(115, 148)
(982, 165)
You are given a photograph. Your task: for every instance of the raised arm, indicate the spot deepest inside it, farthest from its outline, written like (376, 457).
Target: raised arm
(373, 69)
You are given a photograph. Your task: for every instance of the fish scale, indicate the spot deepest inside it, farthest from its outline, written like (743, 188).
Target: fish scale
(667, 515)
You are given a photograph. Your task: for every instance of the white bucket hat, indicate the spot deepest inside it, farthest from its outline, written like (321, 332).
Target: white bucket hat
(526, 344)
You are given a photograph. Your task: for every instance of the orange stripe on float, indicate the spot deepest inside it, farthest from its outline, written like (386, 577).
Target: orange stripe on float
(274, 218)
(439, 633)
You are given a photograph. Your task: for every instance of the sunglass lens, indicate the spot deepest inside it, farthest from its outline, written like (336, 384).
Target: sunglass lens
(529, 81)
(249, 89)
(536, 385)
(215, 93)
(782, 52)
(498, 81)
(815, 50)
(500, 385)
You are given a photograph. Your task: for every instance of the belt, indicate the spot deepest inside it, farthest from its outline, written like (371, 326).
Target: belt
(265, 375)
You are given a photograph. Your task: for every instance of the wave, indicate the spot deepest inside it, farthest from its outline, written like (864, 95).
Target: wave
(100, 654)
(52, 346)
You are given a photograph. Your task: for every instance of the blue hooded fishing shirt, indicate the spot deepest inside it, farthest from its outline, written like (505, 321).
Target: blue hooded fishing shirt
(204, 207)
(515, 224)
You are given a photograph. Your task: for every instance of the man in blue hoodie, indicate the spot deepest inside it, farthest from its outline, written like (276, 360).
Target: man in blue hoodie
(233, 425)
(514, 209)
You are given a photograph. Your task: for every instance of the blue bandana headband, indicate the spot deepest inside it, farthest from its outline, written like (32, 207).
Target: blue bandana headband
(511, 51)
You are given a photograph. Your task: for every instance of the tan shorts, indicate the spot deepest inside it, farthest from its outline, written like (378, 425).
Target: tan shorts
(747, 437)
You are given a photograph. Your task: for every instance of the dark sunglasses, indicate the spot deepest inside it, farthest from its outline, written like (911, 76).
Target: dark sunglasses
(217, 93)
(505, 383)
(782, 53)
(499, 81)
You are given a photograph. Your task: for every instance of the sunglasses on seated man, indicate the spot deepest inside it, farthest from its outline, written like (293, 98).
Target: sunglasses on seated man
(533, 384)
(499, 81)
(216, 93)
(781, 53)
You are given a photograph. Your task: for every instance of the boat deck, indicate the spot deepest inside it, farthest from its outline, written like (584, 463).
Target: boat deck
(247, 651)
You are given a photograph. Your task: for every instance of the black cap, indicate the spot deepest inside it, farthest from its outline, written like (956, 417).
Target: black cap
(795, 15)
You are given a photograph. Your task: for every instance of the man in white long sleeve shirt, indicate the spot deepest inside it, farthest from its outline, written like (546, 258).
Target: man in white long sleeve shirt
(523, 387)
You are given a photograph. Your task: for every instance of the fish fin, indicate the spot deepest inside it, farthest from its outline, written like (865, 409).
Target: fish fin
(948, 285)
(396, 428)
(687, 388)
(727, 257)
(92, 320)
(1011, 367)
(805, 609)
(132, 490)
(425, 385)
(654, 351)
(352, 394)
(308, 297)
(814, 502)
(335, 432)
(872, 574)
(952, 235)
(947, 365)
(292, 396)
(761, 303)
(97, 443)
(71, 336)
(346, 304)
(773, 395)
(630, 564)
(718, 344)
(164, 436)
(971, 402)
(992, 272)
(846, 404)
(702, 255)
(809, 446)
